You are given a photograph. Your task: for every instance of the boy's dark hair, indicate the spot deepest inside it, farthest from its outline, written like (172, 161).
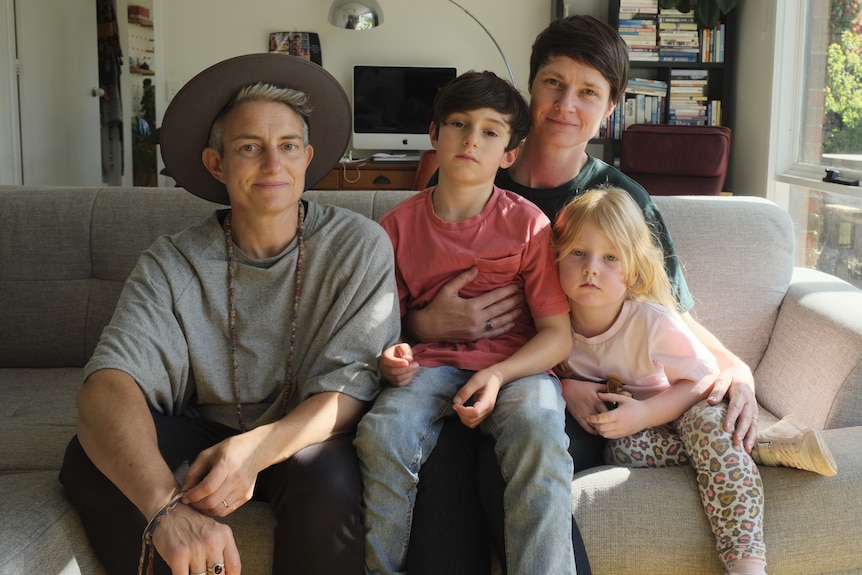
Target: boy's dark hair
(474, 90)
(586, 40)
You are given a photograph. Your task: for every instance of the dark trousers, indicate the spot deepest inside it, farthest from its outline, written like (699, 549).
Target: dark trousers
(459, 502)
(315, 496)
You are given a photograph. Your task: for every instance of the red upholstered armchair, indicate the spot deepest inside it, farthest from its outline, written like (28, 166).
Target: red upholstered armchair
(426, 168)
(676, 160)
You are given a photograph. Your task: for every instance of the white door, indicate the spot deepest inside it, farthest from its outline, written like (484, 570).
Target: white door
(58, 63)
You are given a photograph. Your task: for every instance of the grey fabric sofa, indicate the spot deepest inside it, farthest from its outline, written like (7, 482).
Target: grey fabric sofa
(66, 252)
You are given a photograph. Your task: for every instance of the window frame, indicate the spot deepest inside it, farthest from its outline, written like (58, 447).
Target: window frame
(788, 118)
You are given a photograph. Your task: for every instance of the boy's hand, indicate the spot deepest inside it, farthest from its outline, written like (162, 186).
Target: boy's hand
(483, 387)
(630, 417)
(397, 365)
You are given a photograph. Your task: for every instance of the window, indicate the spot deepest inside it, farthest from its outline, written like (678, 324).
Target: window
(833, 112)
(827, 114)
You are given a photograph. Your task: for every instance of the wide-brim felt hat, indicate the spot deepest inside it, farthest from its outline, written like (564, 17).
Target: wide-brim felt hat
(187, 121)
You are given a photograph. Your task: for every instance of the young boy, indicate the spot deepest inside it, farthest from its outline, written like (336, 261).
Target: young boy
(501, 384)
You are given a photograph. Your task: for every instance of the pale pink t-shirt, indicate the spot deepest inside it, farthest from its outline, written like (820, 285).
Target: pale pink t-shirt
(509, 241)
(648, 346)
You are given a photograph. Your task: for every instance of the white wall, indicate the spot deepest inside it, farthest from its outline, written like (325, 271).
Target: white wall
(194, 34)
(750, 170)
(10, 153)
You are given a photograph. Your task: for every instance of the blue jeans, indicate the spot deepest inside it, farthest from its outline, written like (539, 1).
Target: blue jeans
(395, 438)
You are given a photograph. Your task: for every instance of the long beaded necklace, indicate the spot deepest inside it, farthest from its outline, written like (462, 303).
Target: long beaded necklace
(288, 375)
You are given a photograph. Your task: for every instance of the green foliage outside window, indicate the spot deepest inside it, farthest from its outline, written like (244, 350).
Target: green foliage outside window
(843, 123)
(706, 12)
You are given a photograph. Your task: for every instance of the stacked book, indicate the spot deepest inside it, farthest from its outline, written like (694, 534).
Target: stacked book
(687, 100)
(712, 44)
(679, 39)
(638, 27)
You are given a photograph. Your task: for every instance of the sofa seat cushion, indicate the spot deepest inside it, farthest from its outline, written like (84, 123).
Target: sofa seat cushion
(618, 507)
(40, 531)
(37, 407)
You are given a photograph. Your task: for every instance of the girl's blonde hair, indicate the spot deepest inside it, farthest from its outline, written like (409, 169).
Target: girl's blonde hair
(614, 212)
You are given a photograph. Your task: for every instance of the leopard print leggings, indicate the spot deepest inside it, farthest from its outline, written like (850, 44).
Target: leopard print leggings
(729, 482)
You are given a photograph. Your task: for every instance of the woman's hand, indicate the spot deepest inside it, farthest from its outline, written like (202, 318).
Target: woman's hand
(222, 478)
(737, 383)
(449, 317)
(191, 542)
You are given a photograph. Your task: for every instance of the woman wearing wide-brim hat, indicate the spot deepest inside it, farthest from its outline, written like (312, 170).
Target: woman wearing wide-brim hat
(244, 348)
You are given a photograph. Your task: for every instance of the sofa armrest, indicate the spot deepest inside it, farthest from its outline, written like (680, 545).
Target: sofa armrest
(813, 363)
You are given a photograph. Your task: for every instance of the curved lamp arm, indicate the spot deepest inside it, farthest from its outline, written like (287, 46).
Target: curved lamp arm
(491, 36)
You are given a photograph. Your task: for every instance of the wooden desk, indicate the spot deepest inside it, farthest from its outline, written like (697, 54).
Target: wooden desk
(368, 175)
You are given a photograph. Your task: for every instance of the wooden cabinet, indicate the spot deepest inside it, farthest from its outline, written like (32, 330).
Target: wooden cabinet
(367, 175)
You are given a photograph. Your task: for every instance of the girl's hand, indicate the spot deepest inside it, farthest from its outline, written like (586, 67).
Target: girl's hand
(397, 365)
(631, 416)
(582, 401)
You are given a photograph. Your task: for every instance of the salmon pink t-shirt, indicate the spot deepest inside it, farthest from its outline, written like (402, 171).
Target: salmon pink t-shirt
(509, 242)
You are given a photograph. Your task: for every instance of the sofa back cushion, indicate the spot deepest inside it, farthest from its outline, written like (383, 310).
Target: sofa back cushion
(737, 257)
(67, 253)
(736, 253)
(46, 277)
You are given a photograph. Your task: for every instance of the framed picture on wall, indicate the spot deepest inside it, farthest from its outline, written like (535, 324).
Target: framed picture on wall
(303, 44)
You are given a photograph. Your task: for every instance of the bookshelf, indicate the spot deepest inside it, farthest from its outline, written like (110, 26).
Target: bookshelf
(667, 50)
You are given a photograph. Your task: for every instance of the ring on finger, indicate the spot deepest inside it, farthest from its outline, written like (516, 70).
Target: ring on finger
(224, 502)
(216, 569)
(488, 325)
(201, 573)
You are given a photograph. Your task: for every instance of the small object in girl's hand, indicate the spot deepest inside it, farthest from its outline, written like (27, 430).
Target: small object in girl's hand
(615, 385)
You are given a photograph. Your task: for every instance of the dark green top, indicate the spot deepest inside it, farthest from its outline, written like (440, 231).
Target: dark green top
(597, 173)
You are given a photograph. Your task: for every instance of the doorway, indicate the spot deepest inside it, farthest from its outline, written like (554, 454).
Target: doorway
(110, 64)
(50, 89)
(141, 80)
(57, 91)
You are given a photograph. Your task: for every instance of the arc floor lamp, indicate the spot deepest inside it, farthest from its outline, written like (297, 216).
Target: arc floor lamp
(367, 14)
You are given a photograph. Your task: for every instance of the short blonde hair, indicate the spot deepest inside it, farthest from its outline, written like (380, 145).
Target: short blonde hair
(260, 92)
(614, 211)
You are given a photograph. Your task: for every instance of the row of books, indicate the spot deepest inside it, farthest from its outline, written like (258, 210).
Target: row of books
(643, 103)
(682, 100)
(655, 34)
(712, 44)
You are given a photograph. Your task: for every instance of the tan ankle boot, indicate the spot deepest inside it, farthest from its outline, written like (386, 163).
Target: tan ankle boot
(791, 443)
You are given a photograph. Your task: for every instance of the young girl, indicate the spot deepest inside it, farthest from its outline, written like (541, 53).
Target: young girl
(625, 327)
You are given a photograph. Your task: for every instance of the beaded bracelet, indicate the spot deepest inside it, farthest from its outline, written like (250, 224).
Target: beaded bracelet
(147, 547)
